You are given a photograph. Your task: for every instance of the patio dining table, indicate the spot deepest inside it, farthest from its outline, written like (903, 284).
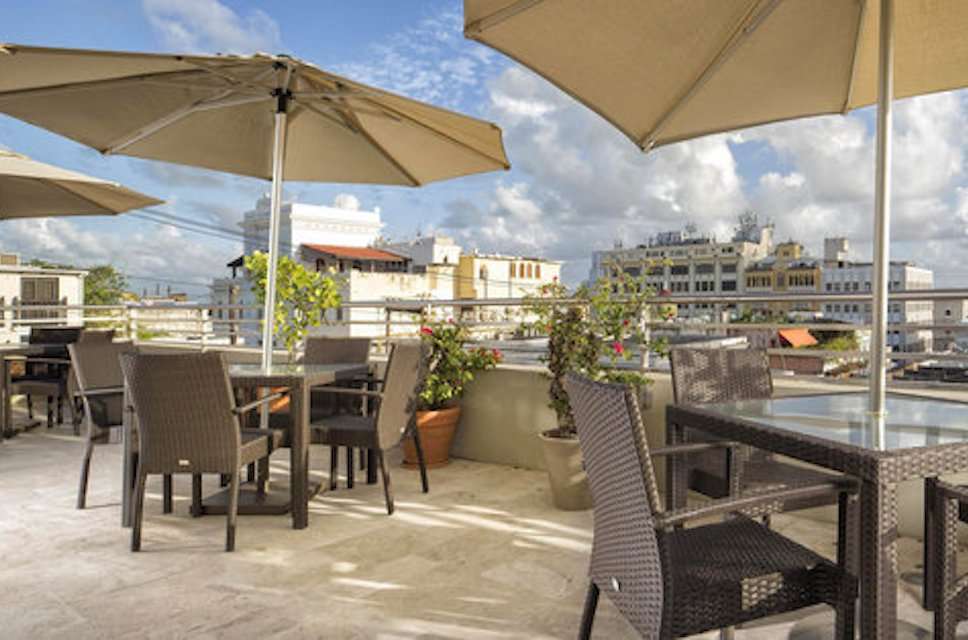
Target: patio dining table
(251, 378)
(917, 438)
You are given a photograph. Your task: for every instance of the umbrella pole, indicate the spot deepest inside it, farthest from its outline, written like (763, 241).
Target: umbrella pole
(882, 210)
(278, 161)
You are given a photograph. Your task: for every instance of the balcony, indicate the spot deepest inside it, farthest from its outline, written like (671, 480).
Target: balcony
(483, 555)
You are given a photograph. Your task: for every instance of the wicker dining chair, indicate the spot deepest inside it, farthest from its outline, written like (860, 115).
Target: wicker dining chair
(393, 418)
(947, 505)
(702, 376)
(47, 375)
(188, 422)
(77, 404)
(669, 580)
(96, 368)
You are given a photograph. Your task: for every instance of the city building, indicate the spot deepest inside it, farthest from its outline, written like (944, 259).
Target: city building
(685, 263)
(426, 250)
(23, 286)
(493, 276)
(841, 275)
(954, 315)
(787, 270)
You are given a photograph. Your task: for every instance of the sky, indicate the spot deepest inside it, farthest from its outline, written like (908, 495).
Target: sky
(576, 184)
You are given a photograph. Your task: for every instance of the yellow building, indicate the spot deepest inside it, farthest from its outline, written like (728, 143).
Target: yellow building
(788, 270)
(488, 277)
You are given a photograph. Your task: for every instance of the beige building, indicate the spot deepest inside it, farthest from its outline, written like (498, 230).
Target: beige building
(954, 315)
(488, 277)
(787, 270)
(683, 263)
(23, 287)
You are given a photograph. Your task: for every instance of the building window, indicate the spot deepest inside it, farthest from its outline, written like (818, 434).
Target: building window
(829, 286)
(729, 267)
(39, 292)
(514, 271)
(529, 271)
(705, 268)
(947, 312)
(728, 285)
(679, 270)
(482, 274)
(537, 271)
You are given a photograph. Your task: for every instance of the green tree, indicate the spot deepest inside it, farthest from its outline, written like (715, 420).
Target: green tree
(104, 285)
(302, 296)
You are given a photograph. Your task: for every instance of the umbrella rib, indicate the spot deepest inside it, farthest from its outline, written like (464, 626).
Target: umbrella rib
(218, 101)
(438, 133)
(750, 23)
(381, 149)
(853, 61)
(482, 24)
(93, 84)
(341, 121)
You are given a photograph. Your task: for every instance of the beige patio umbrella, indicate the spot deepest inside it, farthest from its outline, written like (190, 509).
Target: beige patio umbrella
(668, 70)
(31, 189)
(272, 117)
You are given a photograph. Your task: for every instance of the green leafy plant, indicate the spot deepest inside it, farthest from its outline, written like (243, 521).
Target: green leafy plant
(302, 296)
(592, 331)
(451, 366)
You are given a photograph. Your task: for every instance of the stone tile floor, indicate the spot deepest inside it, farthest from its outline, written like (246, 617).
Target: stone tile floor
(482, 556)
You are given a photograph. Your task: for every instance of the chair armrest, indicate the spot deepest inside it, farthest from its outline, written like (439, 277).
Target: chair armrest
(754, 504)
(103, 391)
(691, 447)
(47, 360)
(349, 391)
(952, 491)
(258, 403)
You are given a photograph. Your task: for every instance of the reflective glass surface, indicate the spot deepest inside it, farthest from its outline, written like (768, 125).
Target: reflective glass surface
(909, 421)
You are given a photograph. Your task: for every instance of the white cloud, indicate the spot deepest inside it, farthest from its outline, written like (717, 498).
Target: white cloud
(156, 251)
(211, 27)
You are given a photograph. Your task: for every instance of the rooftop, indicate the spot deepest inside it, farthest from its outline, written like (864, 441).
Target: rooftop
(483, 556)
(355, 253)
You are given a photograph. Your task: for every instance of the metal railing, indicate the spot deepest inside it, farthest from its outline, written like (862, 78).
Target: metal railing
(495, 318)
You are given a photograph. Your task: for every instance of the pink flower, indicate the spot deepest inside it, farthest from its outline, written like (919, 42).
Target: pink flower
(450, 321)
(427, 331)
(554, 279)
(497, 354)
(617, 346)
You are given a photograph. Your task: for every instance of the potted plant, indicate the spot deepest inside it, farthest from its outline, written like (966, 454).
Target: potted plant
(302, 297)
(592, 331)
(450, 368)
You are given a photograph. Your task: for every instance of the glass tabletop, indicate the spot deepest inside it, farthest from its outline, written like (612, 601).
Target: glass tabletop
(910, 421)
(290, 369)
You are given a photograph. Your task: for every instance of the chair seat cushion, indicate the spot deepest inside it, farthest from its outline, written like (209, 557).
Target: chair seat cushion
(257, 444)
(738, 570)
(345, 430)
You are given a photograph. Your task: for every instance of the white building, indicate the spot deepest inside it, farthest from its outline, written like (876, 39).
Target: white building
(23, 286)
(684, 263)
(954, 315)
(843, 276)
(427, 250)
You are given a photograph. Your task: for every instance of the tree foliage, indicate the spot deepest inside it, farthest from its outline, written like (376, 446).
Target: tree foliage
(302, 296)
(591, 331)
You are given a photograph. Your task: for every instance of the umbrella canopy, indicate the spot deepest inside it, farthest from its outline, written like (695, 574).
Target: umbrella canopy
(666, 70)
(272, 117)
(31, 189)
(217, 112)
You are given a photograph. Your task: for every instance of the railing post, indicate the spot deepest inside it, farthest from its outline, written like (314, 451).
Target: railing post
(131, 322)
(202, 313)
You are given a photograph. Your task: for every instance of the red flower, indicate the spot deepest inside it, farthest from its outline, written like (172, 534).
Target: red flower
(625, 322)
(497, 354)
(427, 331)
(617, 346)
(554, 279)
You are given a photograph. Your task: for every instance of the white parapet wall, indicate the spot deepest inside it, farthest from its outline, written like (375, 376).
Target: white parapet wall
(505, 409)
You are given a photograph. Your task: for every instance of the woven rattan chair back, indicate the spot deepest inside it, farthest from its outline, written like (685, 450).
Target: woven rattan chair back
(184, 405)
(336, 350)
(97, 335)
(720, 375)
(398, 406)
(54, 335)
(97, 365)
(626, 561)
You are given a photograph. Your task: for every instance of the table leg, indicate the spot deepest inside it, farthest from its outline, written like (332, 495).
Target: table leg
(677, 470)
(878, 572)
(299, 455)
(930, 518)
(6, 408)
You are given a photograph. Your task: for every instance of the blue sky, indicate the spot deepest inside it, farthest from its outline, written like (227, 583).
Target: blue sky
(812, 178)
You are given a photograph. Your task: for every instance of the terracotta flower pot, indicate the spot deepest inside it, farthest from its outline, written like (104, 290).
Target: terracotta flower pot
(569, 484)
(436, 435)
